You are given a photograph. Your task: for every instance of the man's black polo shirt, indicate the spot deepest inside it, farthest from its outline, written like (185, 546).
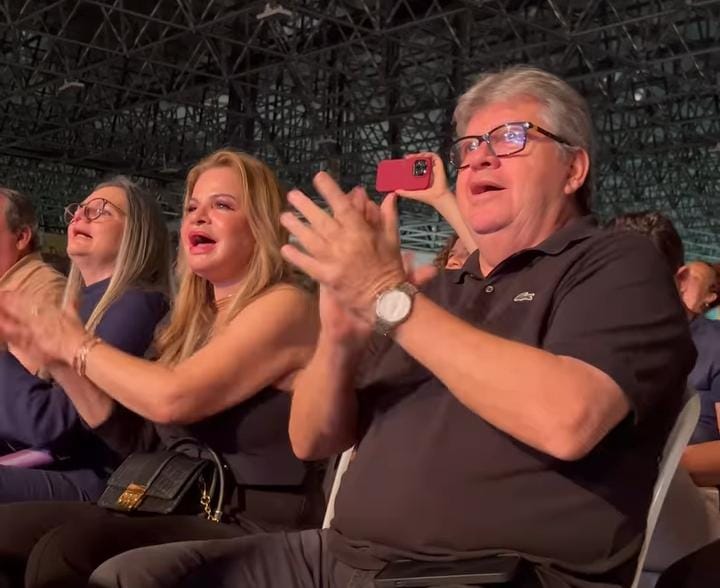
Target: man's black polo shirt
(431, 478)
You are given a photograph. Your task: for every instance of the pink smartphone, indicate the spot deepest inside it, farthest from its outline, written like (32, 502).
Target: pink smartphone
(413, 173)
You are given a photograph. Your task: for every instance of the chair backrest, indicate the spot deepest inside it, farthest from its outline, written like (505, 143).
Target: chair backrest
(674, 446)
(342, 465)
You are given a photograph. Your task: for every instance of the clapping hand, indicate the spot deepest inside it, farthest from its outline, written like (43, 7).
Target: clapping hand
(45, 333)
(353, 253)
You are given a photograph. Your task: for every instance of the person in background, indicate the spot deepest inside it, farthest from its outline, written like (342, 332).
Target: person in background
(699, 287)
(22, 268)
(696, 282)
(117, 241)
(239, 332)
(688, 520)
(700, 569)
(453, 255)
(712, 312)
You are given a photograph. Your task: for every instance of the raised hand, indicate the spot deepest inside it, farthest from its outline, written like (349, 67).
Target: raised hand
(355, 253)
(45, 333)
(338, 324)
(438, 195)
(341, 326)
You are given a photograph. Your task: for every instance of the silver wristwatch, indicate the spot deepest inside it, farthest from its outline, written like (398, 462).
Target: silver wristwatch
(393, 307)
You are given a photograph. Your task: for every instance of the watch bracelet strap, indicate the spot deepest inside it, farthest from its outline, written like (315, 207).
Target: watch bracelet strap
(409, 288)
(383, 327)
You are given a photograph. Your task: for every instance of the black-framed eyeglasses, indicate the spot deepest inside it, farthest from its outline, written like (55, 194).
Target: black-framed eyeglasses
(504, 140)
(92, 210)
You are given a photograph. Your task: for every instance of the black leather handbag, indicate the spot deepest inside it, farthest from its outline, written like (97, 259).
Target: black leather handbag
(168, 481)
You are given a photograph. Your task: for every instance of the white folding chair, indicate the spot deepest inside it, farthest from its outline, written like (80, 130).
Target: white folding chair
(342, 465)
(674, 447)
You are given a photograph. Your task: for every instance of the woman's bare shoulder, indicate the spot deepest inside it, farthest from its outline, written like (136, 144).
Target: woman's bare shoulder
(290, 294)
(285, 303)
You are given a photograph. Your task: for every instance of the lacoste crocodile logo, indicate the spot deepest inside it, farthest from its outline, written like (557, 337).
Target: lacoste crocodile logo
(524, 297)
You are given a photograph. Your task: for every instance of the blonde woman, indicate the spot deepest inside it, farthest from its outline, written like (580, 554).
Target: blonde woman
(239, 331)
(118, 245)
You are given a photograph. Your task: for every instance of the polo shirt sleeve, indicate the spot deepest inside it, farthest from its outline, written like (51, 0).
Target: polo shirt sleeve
(617, 308)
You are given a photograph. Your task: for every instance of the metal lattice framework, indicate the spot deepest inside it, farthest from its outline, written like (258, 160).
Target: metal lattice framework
(89, 87)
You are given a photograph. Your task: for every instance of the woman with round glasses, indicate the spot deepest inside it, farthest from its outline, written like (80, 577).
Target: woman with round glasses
(239, 332)
(119, 281)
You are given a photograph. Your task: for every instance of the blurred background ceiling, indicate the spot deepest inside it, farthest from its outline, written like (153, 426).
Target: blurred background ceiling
(146, 87)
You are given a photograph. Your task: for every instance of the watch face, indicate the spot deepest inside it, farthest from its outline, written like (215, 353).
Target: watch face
(393, 306)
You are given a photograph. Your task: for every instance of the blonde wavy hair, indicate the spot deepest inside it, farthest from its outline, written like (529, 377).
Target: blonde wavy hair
(143, 260)
(192, 319)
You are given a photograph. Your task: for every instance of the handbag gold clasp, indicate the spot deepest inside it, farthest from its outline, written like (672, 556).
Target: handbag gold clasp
(132, 496)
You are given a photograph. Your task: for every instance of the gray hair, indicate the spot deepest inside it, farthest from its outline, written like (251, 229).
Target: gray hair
(20, 213)
(565, 111)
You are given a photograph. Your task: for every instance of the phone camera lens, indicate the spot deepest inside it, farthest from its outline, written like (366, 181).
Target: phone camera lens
(420, 167)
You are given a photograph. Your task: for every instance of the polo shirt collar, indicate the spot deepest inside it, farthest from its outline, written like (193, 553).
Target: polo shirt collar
(577, 229)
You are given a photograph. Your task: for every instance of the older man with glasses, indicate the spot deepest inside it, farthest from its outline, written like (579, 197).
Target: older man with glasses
(21, 266)
(518, 406)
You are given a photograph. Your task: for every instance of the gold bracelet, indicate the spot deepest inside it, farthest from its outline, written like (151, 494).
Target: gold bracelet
(88, 348)
(76, 355)
(81, 355)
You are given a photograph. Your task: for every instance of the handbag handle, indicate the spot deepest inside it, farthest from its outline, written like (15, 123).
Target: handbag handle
(219, 477)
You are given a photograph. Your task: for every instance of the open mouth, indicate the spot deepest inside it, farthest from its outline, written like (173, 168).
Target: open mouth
(480, 188)
(78, 233)
(200, 240)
